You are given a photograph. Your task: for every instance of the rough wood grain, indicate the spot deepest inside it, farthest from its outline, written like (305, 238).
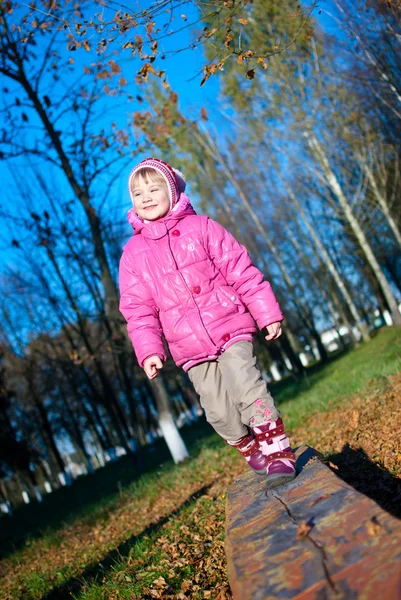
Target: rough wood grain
(314, 538)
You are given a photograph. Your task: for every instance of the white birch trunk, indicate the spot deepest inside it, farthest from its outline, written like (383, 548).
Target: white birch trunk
(173, 438)
(381, 200)
(304, 360)
(315, 279)
(288, 363)
(170, 432)
(336, 189)
(65, 478)
(37, 493)
(5, 507)
(332, 269)
(315, 352)
(275, 372)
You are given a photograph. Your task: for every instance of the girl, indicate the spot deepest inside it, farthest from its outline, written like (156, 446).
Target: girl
(185, 277)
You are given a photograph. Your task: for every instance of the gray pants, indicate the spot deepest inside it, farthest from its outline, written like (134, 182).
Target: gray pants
(232, 392)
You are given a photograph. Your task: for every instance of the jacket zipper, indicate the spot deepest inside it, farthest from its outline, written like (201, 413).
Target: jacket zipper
(192, 298)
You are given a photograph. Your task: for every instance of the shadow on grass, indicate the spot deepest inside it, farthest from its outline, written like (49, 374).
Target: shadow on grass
(96, 572)
(359, 471)
(91, 494)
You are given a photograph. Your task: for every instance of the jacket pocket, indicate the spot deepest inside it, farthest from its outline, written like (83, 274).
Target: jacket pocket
(229, 297)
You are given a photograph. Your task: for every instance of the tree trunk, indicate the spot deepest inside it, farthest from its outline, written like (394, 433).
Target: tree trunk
(337, 191)
(77, 435)
(381, 200)
(291, 353)
(344, 319)
(319, 284)
(48, 431)
(167, 425)
(332, 269)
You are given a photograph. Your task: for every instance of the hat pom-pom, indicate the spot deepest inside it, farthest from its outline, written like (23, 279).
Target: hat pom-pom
(182, 184)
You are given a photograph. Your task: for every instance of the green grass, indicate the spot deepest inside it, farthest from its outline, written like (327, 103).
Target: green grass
(156, 556)
(95, 500)
(360, 371)
(91, 497)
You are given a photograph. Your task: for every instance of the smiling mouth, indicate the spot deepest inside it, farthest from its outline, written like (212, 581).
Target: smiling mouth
(152, 206)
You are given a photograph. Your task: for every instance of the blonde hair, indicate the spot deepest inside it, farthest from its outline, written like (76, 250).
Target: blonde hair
(147, 174)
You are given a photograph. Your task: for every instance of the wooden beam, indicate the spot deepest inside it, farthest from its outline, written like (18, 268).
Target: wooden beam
(314, 538)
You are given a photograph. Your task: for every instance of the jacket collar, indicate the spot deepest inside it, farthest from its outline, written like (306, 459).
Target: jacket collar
(159, 228)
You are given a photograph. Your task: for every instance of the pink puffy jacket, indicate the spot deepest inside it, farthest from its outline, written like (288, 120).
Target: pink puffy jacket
(186, 277)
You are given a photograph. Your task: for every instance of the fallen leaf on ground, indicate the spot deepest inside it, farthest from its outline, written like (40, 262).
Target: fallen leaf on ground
(224, 593)
(303, 530)
(320, 499)
(373, 527)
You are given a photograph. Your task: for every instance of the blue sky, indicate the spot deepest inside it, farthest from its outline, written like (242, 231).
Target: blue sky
(184, 72)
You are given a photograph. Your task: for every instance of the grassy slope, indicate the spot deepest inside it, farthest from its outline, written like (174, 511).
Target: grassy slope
(176, 544)
(325, 386)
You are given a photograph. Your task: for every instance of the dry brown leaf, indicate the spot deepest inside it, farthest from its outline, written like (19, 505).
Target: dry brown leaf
(320, 499)
(373, 527)
(224, 593)
(303, 530)
(186, 585)
(354, 419)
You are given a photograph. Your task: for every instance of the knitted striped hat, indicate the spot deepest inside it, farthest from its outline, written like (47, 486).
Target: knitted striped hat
(174, 179)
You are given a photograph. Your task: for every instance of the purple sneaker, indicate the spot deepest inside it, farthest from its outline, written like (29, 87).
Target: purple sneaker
(275, 446)
(248, 447)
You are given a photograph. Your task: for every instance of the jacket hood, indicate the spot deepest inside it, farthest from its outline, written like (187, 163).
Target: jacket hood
(180, 210)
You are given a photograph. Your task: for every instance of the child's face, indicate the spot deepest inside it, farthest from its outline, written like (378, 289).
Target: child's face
(151, 199)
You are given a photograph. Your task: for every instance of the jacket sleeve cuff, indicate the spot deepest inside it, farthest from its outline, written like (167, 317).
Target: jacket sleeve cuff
(161, 356)
(262, 323)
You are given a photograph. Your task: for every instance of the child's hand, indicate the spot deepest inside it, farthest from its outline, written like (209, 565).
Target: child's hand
(274, 331)
(152, 366)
